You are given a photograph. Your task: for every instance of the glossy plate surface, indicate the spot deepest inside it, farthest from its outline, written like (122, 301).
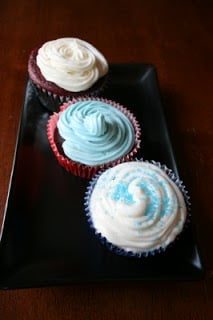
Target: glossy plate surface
(46, 239)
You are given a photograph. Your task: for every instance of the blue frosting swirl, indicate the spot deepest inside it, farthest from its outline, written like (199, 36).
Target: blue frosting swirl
(95, 132)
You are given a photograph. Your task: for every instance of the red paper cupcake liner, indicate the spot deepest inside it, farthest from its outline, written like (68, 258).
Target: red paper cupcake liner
(79, 169)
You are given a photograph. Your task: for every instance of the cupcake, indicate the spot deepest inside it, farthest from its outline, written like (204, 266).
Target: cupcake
(137, 208)
(65, 68)
(89, 134)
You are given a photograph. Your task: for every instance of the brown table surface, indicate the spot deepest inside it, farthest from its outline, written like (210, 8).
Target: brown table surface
(176, 36)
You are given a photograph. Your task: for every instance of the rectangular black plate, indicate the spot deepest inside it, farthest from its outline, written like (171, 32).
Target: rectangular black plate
(46, 239)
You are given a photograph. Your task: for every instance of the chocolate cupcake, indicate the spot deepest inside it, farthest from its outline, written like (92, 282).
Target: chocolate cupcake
(89, 134)
(65, 68)
(137, 208)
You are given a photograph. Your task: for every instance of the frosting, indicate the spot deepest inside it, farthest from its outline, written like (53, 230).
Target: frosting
(137, 207)
(71, 63)
(95, 132)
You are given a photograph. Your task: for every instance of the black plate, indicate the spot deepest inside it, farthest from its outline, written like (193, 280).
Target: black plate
(46, 239)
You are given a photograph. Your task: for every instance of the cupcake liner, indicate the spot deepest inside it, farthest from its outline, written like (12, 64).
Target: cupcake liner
(79, 169)
(52, 102)
(120, 251)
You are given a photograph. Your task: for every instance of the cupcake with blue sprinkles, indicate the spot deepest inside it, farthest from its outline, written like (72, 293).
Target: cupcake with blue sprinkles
(90, 134)
(137, 208)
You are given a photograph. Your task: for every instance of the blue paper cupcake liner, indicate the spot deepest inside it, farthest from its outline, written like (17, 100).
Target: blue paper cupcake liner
(120, 251)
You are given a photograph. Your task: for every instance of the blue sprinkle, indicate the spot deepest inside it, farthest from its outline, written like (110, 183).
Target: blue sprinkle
(121, 193)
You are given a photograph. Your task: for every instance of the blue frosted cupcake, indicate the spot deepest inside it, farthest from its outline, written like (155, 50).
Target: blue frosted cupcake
(137, 208)
(89, 134)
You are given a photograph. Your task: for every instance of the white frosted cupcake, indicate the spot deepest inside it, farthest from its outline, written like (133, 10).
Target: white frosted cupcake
(137, 208)
(65, 68)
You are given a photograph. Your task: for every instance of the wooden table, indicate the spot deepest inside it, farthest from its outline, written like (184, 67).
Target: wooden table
(176, 36)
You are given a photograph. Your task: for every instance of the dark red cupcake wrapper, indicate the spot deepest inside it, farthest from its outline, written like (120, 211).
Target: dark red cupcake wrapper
(52, 102)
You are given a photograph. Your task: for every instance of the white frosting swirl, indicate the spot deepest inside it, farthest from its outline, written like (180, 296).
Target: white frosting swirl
(71, 63)
(137, 207)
